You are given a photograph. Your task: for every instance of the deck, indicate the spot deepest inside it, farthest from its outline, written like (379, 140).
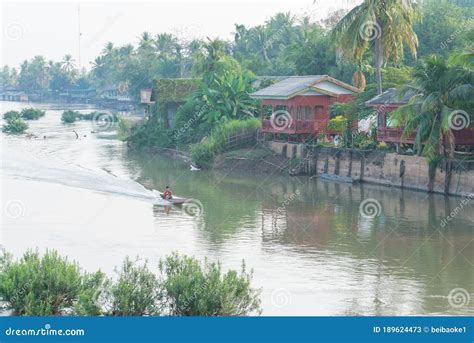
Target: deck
(393, 135)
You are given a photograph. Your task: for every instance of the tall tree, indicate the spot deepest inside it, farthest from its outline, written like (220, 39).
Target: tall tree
(384, 25)
(443, 97)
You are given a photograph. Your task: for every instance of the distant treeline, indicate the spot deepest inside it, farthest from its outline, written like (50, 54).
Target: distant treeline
(283, 45)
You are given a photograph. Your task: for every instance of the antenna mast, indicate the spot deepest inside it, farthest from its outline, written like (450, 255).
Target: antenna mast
(79, 34)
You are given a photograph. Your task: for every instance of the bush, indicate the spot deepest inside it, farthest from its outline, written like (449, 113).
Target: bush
(363, 141)
(51, 285)
(338, 124)
(15, 125)
(69, 116)
(192, 288)
(41, 286)
(135, 293)
(382, 146)
(11, 115)
(124, 128)
(203, 153)
(31, 113)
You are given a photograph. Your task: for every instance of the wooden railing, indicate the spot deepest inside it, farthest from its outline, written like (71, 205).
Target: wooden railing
(394, 135)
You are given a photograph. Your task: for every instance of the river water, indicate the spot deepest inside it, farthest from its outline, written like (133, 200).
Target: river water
(314, 249)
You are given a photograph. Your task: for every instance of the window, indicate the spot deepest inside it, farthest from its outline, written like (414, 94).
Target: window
(267, 111)
(309, 114)
(318, 112)
(305, 113)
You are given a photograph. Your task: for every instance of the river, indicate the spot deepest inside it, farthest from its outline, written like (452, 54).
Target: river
(313, 249)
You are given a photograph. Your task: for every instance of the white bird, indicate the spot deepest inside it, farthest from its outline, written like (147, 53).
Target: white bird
(193, 168)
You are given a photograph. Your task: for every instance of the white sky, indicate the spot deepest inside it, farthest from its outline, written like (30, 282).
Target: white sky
(51, 28)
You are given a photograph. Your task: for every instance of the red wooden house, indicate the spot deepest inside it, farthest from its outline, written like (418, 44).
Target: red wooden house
(389, 101)
(299, 105)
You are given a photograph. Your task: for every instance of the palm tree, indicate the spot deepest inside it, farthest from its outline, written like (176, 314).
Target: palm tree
(166, 45)
(146, 41)
(68, 63)
(440, 91)
(108, 49)
(384, 25)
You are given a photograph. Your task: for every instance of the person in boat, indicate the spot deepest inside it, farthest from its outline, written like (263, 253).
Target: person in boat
(167, 194)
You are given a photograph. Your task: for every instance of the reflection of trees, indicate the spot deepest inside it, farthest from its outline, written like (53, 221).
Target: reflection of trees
(406, 242)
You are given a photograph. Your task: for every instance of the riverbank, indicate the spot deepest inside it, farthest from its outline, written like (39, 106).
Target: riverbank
(353, 165)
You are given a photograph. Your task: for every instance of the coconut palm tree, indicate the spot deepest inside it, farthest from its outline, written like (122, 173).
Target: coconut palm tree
(384, 25)
(443, 97)
(68, 63)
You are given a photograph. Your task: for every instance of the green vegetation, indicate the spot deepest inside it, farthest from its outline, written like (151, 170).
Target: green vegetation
(11, 115)
(70, 116)
(443, 99)
(203, 152)
(192, 288)
(135, 293)
(374, 20)
(31, 113)
(124, 128)
(14, 124)
(45, 285)
(41, 285)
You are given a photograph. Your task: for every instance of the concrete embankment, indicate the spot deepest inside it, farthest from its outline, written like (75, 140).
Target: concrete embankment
(379, 167)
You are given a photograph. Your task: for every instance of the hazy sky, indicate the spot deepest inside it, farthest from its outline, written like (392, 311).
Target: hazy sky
(51, 28)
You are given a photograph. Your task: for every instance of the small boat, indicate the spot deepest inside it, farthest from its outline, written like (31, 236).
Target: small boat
(337, 178)
(175, 200)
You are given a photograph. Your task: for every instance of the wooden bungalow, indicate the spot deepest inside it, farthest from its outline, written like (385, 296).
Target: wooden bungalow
(388, 132)
(299, 105)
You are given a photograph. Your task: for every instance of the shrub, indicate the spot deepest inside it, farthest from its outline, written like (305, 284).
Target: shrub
(69, 116)
(15, 125)
(338, 124)
(135, 293)
(31, 113)
(382, 146)
(91, 298)
(41, 286)
(124, 128)
(192, 288)
(203, 153)
(11, 115)
(363, 141)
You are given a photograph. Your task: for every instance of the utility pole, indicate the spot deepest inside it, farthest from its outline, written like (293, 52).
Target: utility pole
(79, 34)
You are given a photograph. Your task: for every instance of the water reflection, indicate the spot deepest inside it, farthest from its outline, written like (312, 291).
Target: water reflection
(304, 236)
(402, 254)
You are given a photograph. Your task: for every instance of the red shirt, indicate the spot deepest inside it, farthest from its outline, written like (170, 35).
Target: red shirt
(167, 194)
